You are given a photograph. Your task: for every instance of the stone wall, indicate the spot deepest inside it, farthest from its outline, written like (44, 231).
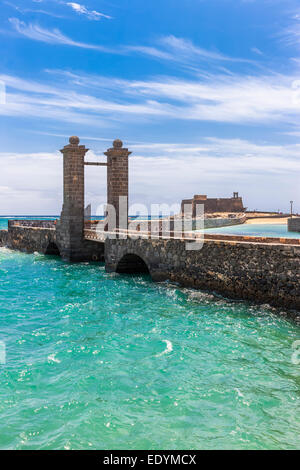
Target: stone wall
(294, 224)
(177, 223)
(257, 272)
(30, 239)
(33, 223)
(222, 222)
(3, 237)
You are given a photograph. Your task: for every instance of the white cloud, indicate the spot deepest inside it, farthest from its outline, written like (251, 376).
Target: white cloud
(234, 99)
(257, 51)
(90, 14)
(183, 50)
(238, 99)
(37, 33)
(291, 34)
(33, 10)
(186, 47)
(169, 48)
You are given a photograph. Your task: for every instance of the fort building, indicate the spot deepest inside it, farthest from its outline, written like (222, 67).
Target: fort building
(211, 205)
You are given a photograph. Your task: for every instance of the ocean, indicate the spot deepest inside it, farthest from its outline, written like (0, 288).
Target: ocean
(107, 361)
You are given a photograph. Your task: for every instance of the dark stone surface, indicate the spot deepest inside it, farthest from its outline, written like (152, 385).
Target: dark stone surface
(3, 237)
(117, 179)
(71, 224)
(44, 240)
(294, 224)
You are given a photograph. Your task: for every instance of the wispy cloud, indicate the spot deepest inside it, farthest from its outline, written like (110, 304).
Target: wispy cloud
(23, 10)
(62, 103)
(169, 48)
(238, 100)
(183, 50)
(186, 47)
(90, 14)
(291, 34)
(257, 51)
(234, 99)
(55, 36)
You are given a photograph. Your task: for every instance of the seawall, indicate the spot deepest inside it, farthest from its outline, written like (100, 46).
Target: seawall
(3, 237)
(223, 222)
(41, 236)
(208, 222)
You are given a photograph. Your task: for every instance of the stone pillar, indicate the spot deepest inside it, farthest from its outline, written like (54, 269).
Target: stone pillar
(117, 181)
(70, 228)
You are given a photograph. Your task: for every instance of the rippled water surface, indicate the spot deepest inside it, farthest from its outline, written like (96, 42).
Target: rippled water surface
(256, 230)
(96, 360)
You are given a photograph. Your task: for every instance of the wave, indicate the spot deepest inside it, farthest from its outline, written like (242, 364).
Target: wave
(168, 349)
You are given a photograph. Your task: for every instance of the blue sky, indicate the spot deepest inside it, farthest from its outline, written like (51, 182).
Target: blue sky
(206, 93)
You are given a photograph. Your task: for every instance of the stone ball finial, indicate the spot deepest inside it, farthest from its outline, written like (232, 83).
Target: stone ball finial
(117, 144)
(74, 140)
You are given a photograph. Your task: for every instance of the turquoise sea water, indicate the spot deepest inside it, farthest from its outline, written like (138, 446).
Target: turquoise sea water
(256, 230)
(108, 361)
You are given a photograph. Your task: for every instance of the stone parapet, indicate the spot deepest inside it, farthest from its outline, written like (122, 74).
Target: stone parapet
(32, 223)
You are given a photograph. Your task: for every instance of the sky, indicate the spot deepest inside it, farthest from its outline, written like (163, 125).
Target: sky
(205, 93)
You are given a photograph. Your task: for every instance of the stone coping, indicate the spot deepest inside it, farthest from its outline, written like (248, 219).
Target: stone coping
(91, 234)
(31, 223)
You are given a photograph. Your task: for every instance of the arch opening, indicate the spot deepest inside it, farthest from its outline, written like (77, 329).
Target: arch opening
(132, 264)
(52, 249)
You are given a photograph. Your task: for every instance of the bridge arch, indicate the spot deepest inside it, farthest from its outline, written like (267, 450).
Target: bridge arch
(131, 263)
(52, 249)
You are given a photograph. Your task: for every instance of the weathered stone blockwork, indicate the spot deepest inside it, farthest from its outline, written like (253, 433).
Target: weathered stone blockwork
(256, 272)
(117, 179)
(71, 225)
(3, 237)
(32, 238)
(294, 224)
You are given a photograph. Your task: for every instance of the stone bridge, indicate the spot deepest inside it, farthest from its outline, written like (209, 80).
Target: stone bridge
(260, 272)
(251, 268)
